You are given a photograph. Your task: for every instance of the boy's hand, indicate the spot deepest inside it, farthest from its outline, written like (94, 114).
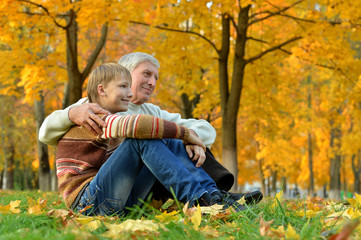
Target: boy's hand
(86, 115)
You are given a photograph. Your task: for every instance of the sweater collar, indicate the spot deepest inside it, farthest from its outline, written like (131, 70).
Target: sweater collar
(133, 106)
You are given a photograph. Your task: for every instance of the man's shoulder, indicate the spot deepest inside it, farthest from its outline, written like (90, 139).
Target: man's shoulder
(150, 107)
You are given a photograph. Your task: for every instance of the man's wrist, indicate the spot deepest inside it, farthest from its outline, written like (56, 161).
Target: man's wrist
(193, 132)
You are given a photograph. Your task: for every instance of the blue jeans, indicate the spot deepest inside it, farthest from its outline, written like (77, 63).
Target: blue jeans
(130, 172)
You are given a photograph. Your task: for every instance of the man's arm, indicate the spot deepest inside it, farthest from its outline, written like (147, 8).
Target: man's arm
(80, 113)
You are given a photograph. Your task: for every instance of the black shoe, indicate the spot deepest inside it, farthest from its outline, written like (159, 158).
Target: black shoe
(208, 200)
(228, 202)
(235, 206)
(250, 198)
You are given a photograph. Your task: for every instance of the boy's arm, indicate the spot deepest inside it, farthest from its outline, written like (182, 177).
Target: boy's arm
(146, 127)
(201, 127)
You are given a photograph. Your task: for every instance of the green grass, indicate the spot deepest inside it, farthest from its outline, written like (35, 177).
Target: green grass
(244, 225)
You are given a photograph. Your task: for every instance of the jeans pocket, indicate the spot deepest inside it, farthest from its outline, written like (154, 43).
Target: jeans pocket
(88, 199)
(110, 207)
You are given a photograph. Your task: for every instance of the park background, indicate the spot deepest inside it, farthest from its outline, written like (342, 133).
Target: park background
(279, 80)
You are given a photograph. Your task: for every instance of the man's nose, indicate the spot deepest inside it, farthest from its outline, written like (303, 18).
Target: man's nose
(152, 81)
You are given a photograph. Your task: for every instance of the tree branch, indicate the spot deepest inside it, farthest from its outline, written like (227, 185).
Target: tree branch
(275, 13)
(45, 10)
(233, 22)
(298, 19)
(256, 39)
(96, 51)
(177, 30)
(279, 46)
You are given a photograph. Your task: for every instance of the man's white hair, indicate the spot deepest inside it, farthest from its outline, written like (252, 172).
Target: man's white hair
(132, 60)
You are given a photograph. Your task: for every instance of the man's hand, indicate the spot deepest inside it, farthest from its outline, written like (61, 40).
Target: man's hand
(85, 115)
(196, 151)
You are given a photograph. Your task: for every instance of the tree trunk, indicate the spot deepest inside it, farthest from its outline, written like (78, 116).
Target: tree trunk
(310, 165)
(43, 156)
(284, 185)
(73, 88)
(188, 105)
(356, 169)
(230, 98)
(274, 182)
(262, 177)
(269, 192)
(8, 179)
(335, 166)
(1, 178)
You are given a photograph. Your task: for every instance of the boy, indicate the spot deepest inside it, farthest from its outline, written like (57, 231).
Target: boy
(109, 176)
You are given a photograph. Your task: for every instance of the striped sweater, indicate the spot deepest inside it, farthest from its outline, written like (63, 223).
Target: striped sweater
(80, 154)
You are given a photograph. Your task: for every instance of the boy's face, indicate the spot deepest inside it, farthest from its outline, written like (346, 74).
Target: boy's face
(116, 95)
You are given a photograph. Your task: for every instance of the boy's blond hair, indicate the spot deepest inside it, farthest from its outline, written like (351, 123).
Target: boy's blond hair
(104, 74)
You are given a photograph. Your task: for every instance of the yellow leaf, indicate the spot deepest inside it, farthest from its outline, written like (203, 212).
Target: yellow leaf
(291, 233)
(84, 220)
(131, 225)
(279, 232)
(277, 199)
(355, 202)
(92, 226)
(307, 213)
(242, 201)
(36, 209)
(196, 219)
(167, 217)
(14, 206)
(212, 210)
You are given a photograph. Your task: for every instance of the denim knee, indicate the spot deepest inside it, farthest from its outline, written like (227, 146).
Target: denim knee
(106, 207)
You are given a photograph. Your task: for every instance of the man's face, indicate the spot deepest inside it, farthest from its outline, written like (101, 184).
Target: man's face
(144, 77)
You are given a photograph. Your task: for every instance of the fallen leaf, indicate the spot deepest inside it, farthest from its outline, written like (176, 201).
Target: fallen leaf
(196, 218)
(277, 199)
(92, 226)
(242, 201)
(307, 213)
(291, 233)
(212, 210)
(130, 225)
(189, 211)
(36, 209)
(14, 206)
(265, 226)
(61, 214)
(346, 231)
(277, 232)
(168, 217)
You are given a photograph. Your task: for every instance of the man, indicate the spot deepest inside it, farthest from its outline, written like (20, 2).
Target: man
(144, 70)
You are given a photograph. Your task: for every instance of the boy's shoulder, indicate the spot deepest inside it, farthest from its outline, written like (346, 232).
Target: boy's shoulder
(80, 133)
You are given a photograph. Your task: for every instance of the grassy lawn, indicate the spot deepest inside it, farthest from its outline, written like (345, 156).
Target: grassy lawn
(38, 215)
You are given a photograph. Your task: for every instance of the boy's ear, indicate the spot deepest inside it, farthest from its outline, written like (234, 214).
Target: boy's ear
(101, 90)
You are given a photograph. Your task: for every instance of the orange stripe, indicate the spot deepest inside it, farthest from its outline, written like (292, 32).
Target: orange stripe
(111, 124)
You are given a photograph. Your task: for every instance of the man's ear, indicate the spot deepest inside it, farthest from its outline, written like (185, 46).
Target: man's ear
(101, 91)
